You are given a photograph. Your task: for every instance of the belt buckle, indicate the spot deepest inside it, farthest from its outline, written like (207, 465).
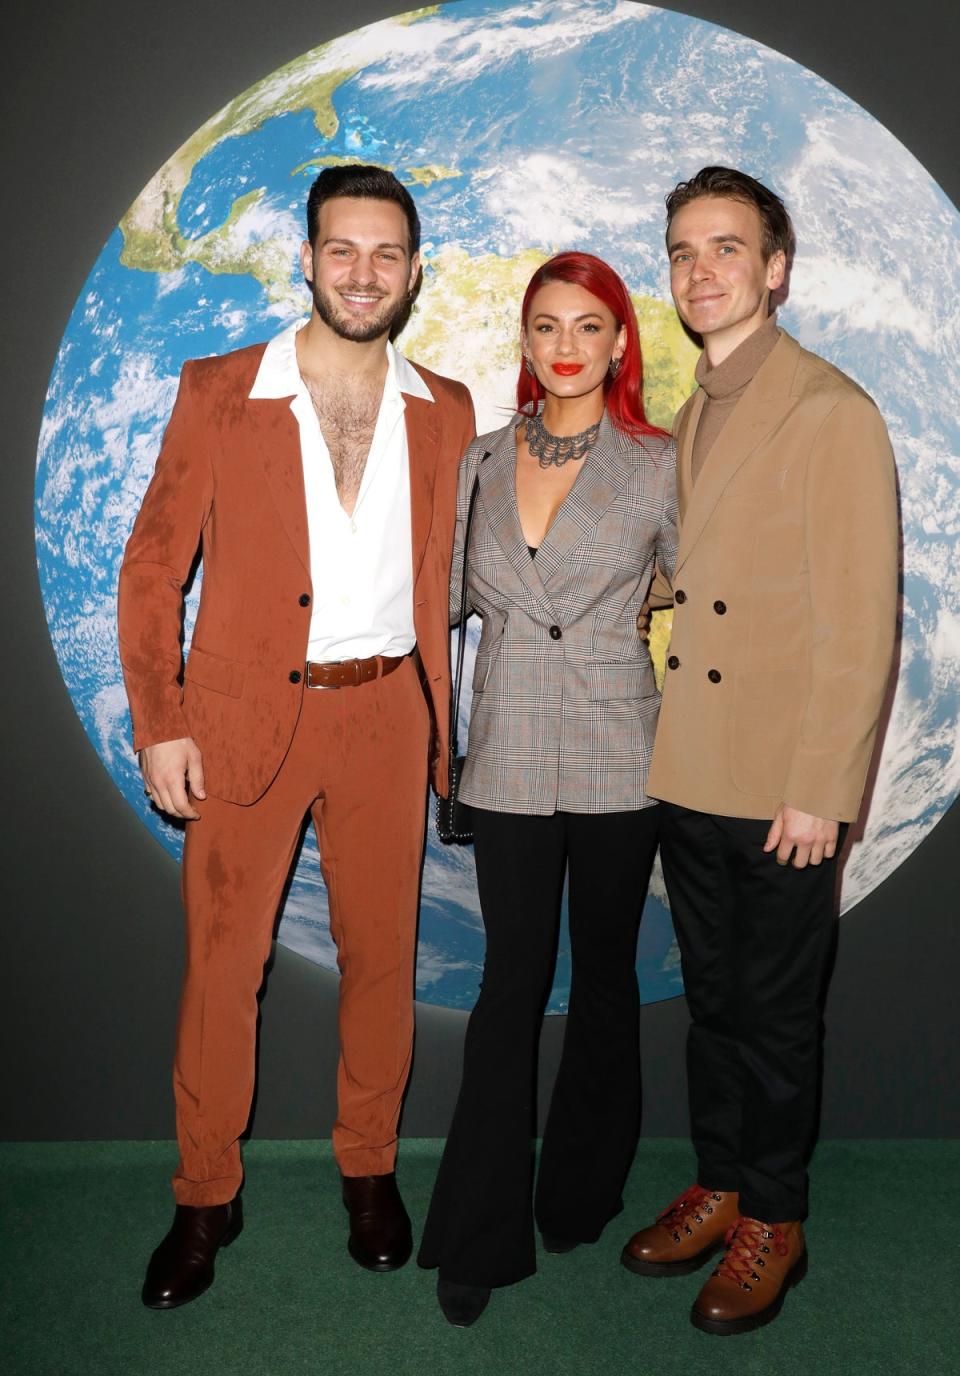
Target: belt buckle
(319, 687)
(357, 673)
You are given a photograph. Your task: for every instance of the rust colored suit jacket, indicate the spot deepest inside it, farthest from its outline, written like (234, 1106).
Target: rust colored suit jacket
(785, 597)
(229, 482)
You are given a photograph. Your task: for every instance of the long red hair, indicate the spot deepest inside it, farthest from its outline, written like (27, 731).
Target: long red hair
(624, 393)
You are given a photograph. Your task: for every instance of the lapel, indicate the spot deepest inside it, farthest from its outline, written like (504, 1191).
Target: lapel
(498, 490)
(763, 405)
(603, 474)
(685, 433)
(422, 419)
(277, 437)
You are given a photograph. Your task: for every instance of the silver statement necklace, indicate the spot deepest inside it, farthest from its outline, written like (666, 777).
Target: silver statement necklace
(553, 451)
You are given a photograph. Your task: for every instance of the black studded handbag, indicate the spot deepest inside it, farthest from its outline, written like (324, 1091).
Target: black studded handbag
(454, 822)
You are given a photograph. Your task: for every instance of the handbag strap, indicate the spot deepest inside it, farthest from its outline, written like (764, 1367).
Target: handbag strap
(462, 636)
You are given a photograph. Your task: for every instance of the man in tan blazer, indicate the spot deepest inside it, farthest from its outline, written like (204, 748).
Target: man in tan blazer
(785, 592)
(317, 476)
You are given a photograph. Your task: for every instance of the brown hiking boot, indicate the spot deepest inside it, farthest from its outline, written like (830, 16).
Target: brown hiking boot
(747, 1289)
(687, 1232)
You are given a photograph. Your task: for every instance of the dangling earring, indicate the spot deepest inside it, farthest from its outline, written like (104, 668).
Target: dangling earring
(614, 366)
(528, 365)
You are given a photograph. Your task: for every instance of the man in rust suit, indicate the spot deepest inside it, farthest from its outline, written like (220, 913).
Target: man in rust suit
(784, 592)
(317, 476)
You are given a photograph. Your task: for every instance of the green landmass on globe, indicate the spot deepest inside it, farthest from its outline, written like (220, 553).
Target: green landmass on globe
(152, 241)
(410, 176)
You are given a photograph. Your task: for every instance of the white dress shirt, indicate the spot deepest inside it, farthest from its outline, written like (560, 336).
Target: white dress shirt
(361, 566)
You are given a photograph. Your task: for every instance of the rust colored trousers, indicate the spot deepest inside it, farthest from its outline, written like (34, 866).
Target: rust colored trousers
(358, 764)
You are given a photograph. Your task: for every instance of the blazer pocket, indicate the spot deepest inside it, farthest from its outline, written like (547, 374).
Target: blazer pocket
(613, 682)
(212, 671)
(755, 488)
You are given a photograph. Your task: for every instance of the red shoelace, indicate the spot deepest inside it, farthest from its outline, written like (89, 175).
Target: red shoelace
(748, 1241)
(690, 1202)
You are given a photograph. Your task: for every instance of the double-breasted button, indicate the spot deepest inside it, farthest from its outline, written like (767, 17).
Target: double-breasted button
(555, 633)
(673, 662)
(304, 599)
(720, 608)
(295, 676)
(714, 675)
(680, 596)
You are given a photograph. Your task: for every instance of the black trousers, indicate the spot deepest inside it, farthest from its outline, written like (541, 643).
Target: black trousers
(480, 1226)
(754, 940)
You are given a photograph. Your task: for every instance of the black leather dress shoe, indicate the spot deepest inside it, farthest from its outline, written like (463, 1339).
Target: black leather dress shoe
(462, 1305)
(380, 1236)
(182, 1266)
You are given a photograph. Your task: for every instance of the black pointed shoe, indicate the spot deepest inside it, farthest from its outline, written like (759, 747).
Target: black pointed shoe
(557, 1245)
(462, 1305)
(380, 1235)
(182, 1266)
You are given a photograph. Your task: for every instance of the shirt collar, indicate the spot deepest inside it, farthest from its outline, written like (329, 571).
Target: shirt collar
(407, 378)
(279, 376)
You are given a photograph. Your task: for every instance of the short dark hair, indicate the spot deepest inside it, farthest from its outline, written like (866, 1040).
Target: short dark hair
(363, 182)
(776, 227)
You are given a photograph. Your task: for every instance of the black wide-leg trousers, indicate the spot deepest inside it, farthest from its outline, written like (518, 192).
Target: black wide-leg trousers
(754, 940)
(480, 1226)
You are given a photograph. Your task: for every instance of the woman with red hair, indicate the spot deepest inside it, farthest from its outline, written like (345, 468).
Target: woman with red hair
(574, 505)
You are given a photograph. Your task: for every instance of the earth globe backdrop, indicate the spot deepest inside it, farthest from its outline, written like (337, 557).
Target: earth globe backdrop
(520, 129)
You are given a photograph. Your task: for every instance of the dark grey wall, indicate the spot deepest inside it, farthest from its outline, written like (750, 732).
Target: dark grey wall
(97, 97)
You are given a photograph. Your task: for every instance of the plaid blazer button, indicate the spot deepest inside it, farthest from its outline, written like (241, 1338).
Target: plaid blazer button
(555, 633)
(673, 662)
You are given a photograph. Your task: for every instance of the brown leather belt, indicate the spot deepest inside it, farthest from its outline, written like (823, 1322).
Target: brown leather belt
(350, 673)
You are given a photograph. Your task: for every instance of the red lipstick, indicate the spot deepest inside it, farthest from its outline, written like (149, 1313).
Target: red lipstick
(567, 369)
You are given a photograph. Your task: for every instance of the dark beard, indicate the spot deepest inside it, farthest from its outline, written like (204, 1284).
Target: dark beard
(360, 331)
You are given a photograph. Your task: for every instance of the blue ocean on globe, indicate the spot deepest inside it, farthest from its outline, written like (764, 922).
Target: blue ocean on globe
(521, 129)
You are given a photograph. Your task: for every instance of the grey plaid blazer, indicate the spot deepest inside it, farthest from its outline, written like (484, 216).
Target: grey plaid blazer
(564, 698)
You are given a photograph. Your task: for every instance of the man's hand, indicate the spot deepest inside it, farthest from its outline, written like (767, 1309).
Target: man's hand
(813, 838)
(643, 622)
(166, 770)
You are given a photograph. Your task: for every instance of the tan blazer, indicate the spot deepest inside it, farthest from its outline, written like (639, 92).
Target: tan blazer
(229, 480)
(785, 596)
(564, 697)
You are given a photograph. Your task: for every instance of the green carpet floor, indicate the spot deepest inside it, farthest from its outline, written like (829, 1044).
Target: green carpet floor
(79, 1221)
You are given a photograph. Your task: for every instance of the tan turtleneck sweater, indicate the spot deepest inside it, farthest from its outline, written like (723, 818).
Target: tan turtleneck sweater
(725, 385)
